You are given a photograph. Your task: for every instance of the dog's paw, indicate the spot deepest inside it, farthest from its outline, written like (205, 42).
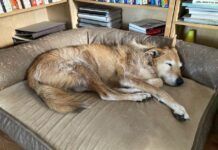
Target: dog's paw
(179, 112)
(142, 96)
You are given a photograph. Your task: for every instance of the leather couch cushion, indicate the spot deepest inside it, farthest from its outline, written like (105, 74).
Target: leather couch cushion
(110, 125)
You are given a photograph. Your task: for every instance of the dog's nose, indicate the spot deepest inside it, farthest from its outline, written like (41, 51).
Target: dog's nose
(179, 81)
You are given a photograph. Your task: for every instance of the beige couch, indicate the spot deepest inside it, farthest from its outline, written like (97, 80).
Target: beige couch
(107, 125)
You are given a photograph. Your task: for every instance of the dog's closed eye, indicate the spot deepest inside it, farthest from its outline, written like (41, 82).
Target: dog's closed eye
(170, 64)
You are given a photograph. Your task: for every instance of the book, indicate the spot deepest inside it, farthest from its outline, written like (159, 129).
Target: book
(14, 4)
(46, 2)
(112, 24)
(207, 6)
(138, 2)
(200, 16)
(98, 17)
(40, 29)
(153, 31)
(33, 2)
(27, 3)
(165, 3)
(1, 9)
(7, 5)
(20, 40)
(3, 6)
(106, 11)
(39, 2)
(202, 12)
(201, 9)
(19, 4)
(213, 2)
(200, 21)
(146, 24)
(91, 25)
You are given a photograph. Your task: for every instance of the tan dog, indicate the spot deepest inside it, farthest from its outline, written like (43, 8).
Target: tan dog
(116, 73)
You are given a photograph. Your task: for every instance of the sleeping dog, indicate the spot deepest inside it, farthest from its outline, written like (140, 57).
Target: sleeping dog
(123, 72)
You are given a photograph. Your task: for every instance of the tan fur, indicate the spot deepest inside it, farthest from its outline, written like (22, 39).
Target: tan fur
(103, 69)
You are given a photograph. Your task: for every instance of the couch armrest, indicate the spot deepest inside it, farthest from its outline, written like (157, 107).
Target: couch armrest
(200, 63)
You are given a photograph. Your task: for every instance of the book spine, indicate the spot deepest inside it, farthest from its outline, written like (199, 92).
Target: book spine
(46, 2)
(27, 3)
(152, 2)
(144, 2)
(129, 2)
(3, 6)
(33, 2)
(165, 3)
(39, 2)
(1, 9)
(138, 2)
(19, 4)
(8, 6)
(14, 4)
(155, 31)
(205, 2)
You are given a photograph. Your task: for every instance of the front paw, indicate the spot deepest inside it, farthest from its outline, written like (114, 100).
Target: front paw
(179, 112)
(143, 96)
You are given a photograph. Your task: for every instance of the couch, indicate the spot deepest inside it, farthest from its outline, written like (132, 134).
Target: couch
(108, 125)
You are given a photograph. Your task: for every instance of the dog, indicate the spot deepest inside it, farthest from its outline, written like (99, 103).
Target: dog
(132, 72)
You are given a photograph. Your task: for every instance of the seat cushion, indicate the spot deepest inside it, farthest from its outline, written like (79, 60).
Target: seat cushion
(110, 125)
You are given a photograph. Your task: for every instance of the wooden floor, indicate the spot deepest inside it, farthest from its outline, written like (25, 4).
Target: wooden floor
(7, 144)
(212, 140)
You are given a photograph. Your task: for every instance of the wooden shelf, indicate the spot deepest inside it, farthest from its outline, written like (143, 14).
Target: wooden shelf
(123, 5)
(15, 12)
(205, 26)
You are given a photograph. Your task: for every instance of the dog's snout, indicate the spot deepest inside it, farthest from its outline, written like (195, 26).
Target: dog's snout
(179, 81)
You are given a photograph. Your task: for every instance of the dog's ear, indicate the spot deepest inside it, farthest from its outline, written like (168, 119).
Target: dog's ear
(173, 45)
(154, 52)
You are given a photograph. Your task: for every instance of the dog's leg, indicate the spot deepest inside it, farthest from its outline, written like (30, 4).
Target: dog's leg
(129, 90)
(156, 82)
(162, 96)
(105, 92)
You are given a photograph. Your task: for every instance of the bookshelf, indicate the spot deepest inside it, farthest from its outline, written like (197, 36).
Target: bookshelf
(56, 11)
(206, 34)
(123, 5)
(66, 10)
(205, 26)
(155, 12)
(19, 11)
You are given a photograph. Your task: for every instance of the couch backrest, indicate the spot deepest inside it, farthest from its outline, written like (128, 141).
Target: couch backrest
(200, 62)
(14, 61)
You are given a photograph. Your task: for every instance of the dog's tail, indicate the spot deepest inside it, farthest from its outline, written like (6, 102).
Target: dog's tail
(55, 98)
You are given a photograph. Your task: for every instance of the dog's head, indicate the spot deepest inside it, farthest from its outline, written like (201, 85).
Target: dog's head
(168, 65)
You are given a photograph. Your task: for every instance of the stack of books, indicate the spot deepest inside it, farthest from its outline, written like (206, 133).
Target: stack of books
(10, 5)
(35, 31)
(99, 17)
(202, 12)
(160, 3)
(148, 26)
